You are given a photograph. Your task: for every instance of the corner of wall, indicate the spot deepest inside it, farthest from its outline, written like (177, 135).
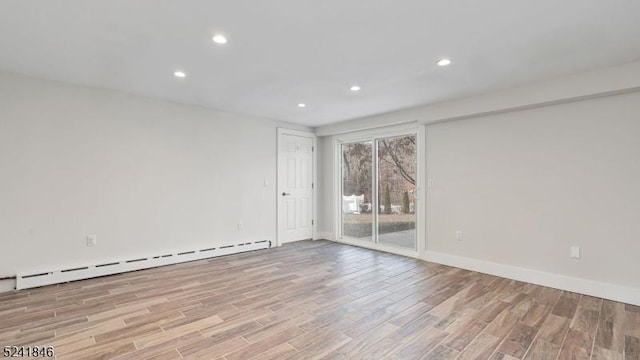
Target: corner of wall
(579, 285)
(325, 235)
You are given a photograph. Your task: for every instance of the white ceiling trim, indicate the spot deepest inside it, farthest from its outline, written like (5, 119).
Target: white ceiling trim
(604, 82)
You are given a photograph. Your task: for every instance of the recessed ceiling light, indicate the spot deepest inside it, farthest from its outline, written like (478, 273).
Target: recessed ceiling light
(219, 39)
(179, 74)
(355, 88)
(301, 105)
(443, 62)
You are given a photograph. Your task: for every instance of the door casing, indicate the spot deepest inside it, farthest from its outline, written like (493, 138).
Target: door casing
(314, 176)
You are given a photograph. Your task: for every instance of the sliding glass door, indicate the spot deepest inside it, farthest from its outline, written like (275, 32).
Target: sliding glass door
(357, 190)
(378, 197)
(396, 159)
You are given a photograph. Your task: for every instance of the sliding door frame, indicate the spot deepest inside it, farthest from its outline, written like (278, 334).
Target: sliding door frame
(420, 208)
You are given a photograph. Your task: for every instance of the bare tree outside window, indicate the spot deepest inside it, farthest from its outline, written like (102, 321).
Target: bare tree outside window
(397, 165)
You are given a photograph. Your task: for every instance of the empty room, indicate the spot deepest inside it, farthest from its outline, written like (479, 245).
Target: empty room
(293, 179)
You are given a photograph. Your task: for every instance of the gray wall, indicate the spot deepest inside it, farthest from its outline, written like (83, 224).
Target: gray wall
(525, 186)
(144, 175)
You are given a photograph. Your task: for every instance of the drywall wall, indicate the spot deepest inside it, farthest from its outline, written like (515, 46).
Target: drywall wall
(326, 192)
(607, 81)
(144, 175)
(525, 186)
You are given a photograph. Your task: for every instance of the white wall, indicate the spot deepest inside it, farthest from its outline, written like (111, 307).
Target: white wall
(527, 184)
(607, 81)
(326, 192)
(146, 176)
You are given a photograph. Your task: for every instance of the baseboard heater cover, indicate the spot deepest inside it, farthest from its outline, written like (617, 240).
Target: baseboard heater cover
(42, 278)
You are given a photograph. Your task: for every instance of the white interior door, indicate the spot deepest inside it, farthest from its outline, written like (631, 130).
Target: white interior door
(295, 187)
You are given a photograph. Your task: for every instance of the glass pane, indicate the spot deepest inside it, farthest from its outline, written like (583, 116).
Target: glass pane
(397, 191)
(357, 172)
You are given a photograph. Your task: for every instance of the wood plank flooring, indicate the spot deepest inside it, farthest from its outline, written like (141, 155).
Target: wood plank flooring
(316, 300)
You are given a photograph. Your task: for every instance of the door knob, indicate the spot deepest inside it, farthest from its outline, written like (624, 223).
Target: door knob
(285, 194)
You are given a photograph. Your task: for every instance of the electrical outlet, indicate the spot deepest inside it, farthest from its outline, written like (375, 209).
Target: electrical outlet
(575, 252)
(459, 235)
(92, 240)
(429, 182)
(240, 226)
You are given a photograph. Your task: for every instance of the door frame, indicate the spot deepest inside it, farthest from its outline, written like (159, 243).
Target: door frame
(372, 135)
(314, 178)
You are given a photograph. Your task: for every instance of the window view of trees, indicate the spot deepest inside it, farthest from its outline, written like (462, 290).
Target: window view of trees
(357, 182)
(396, 161)
(397, 172)
(357, 170)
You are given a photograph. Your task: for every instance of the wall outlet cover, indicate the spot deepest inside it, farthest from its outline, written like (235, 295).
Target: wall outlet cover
(575, 252)
(92, 240)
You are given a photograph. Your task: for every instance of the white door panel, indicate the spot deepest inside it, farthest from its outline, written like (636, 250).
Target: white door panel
(304, 213)
(295, 191)
(291, 173)
(290, 205)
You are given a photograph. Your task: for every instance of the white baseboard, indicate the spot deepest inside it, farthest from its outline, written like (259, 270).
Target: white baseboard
(33, 279)
(7, 285)
(614, 292)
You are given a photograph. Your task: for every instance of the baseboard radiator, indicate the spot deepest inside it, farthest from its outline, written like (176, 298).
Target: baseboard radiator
(42, 278)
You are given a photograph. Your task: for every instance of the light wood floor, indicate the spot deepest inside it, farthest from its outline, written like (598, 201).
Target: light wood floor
(316, 300)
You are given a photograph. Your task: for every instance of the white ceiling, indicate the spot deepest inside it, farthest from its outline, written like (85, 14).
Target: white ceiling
(282, 52)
